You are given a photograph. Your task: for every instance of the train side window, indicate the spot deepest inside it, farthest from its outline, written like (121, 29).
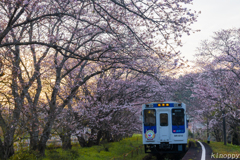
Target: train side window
(163, 119)
(149, 117)
(177, 117)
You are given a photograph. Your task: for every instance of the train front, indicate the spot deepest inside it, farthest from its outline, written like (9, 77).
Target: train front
(164, 127)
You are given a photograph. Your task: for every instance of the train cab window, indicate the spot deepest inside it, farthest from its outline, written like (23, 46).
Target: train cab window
(149, 117)
(177, 117)
(163, 119)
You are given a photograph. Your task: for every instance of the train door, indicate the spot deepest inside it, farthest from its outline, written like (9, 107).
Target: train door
(164, 127)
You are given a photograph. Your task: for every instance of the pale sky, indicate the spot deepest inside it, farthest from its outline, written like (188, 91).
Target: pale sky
(215, 15)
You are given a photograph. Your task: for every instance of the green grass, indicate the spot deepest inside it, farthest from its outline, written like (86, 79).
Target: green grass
(117, 150)
(193, 140)
(219, 147)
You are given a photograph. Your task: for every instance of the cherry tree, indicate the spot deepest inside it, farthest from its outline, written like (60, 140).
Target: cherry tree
(104, 104)
(119, 34)
(219, 83)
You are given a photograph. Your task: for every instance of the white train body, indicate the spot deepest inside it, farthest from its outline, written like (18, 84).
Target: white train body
(164, 127)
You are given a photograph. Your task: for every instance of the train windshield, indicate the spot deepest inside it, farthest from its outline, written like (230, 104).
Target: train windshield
(149, 117)
(177, 117)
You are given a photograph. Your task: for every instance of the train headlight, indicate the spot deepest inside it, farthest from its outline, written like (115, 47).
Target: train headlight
(163, 104)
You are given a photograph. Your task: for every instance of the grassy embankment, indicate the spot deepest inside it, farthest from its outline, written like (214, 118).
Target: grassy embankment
(193, 140)
(113, 150)
(219, 147)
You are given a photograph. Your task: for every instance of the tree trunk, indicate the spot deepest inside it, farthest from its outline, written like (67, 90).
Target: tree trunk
(217, 133)
(1, 149)
(42, 145)
(107, 136)
(91, 142)
(8, 149)
(44, 137)
(99, 136)
(34, 140)
(218, 138)
(66, 141)
(235, 139)
(117, 138)
(82, 141)
(224, 129)
(35, 131)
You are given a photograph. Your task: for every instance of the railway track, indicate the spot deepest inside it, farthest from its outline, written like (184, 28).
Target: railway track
(164, 156)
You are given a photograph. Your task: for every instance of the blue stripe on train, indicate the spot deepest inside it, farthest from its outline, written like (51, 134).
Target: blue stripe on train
(178, 129)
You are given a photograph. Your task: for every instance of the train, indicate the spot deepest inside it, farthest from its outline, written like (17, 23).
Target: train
(164, 127)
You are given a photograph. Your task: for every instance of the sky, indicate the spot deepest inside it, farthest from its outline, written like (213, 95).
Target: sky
(215, 15)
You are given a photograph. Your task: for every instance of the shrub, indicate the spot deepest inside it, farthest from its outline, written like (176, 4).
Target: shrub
(53, 146)
(105, 145)
(26, 155)
(190, 134)
(65, 155)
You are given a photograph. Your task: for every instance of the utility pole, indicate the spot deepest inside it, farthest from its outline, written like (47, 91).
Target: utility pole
(193, 130)
(208, 138)
(224, 128)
